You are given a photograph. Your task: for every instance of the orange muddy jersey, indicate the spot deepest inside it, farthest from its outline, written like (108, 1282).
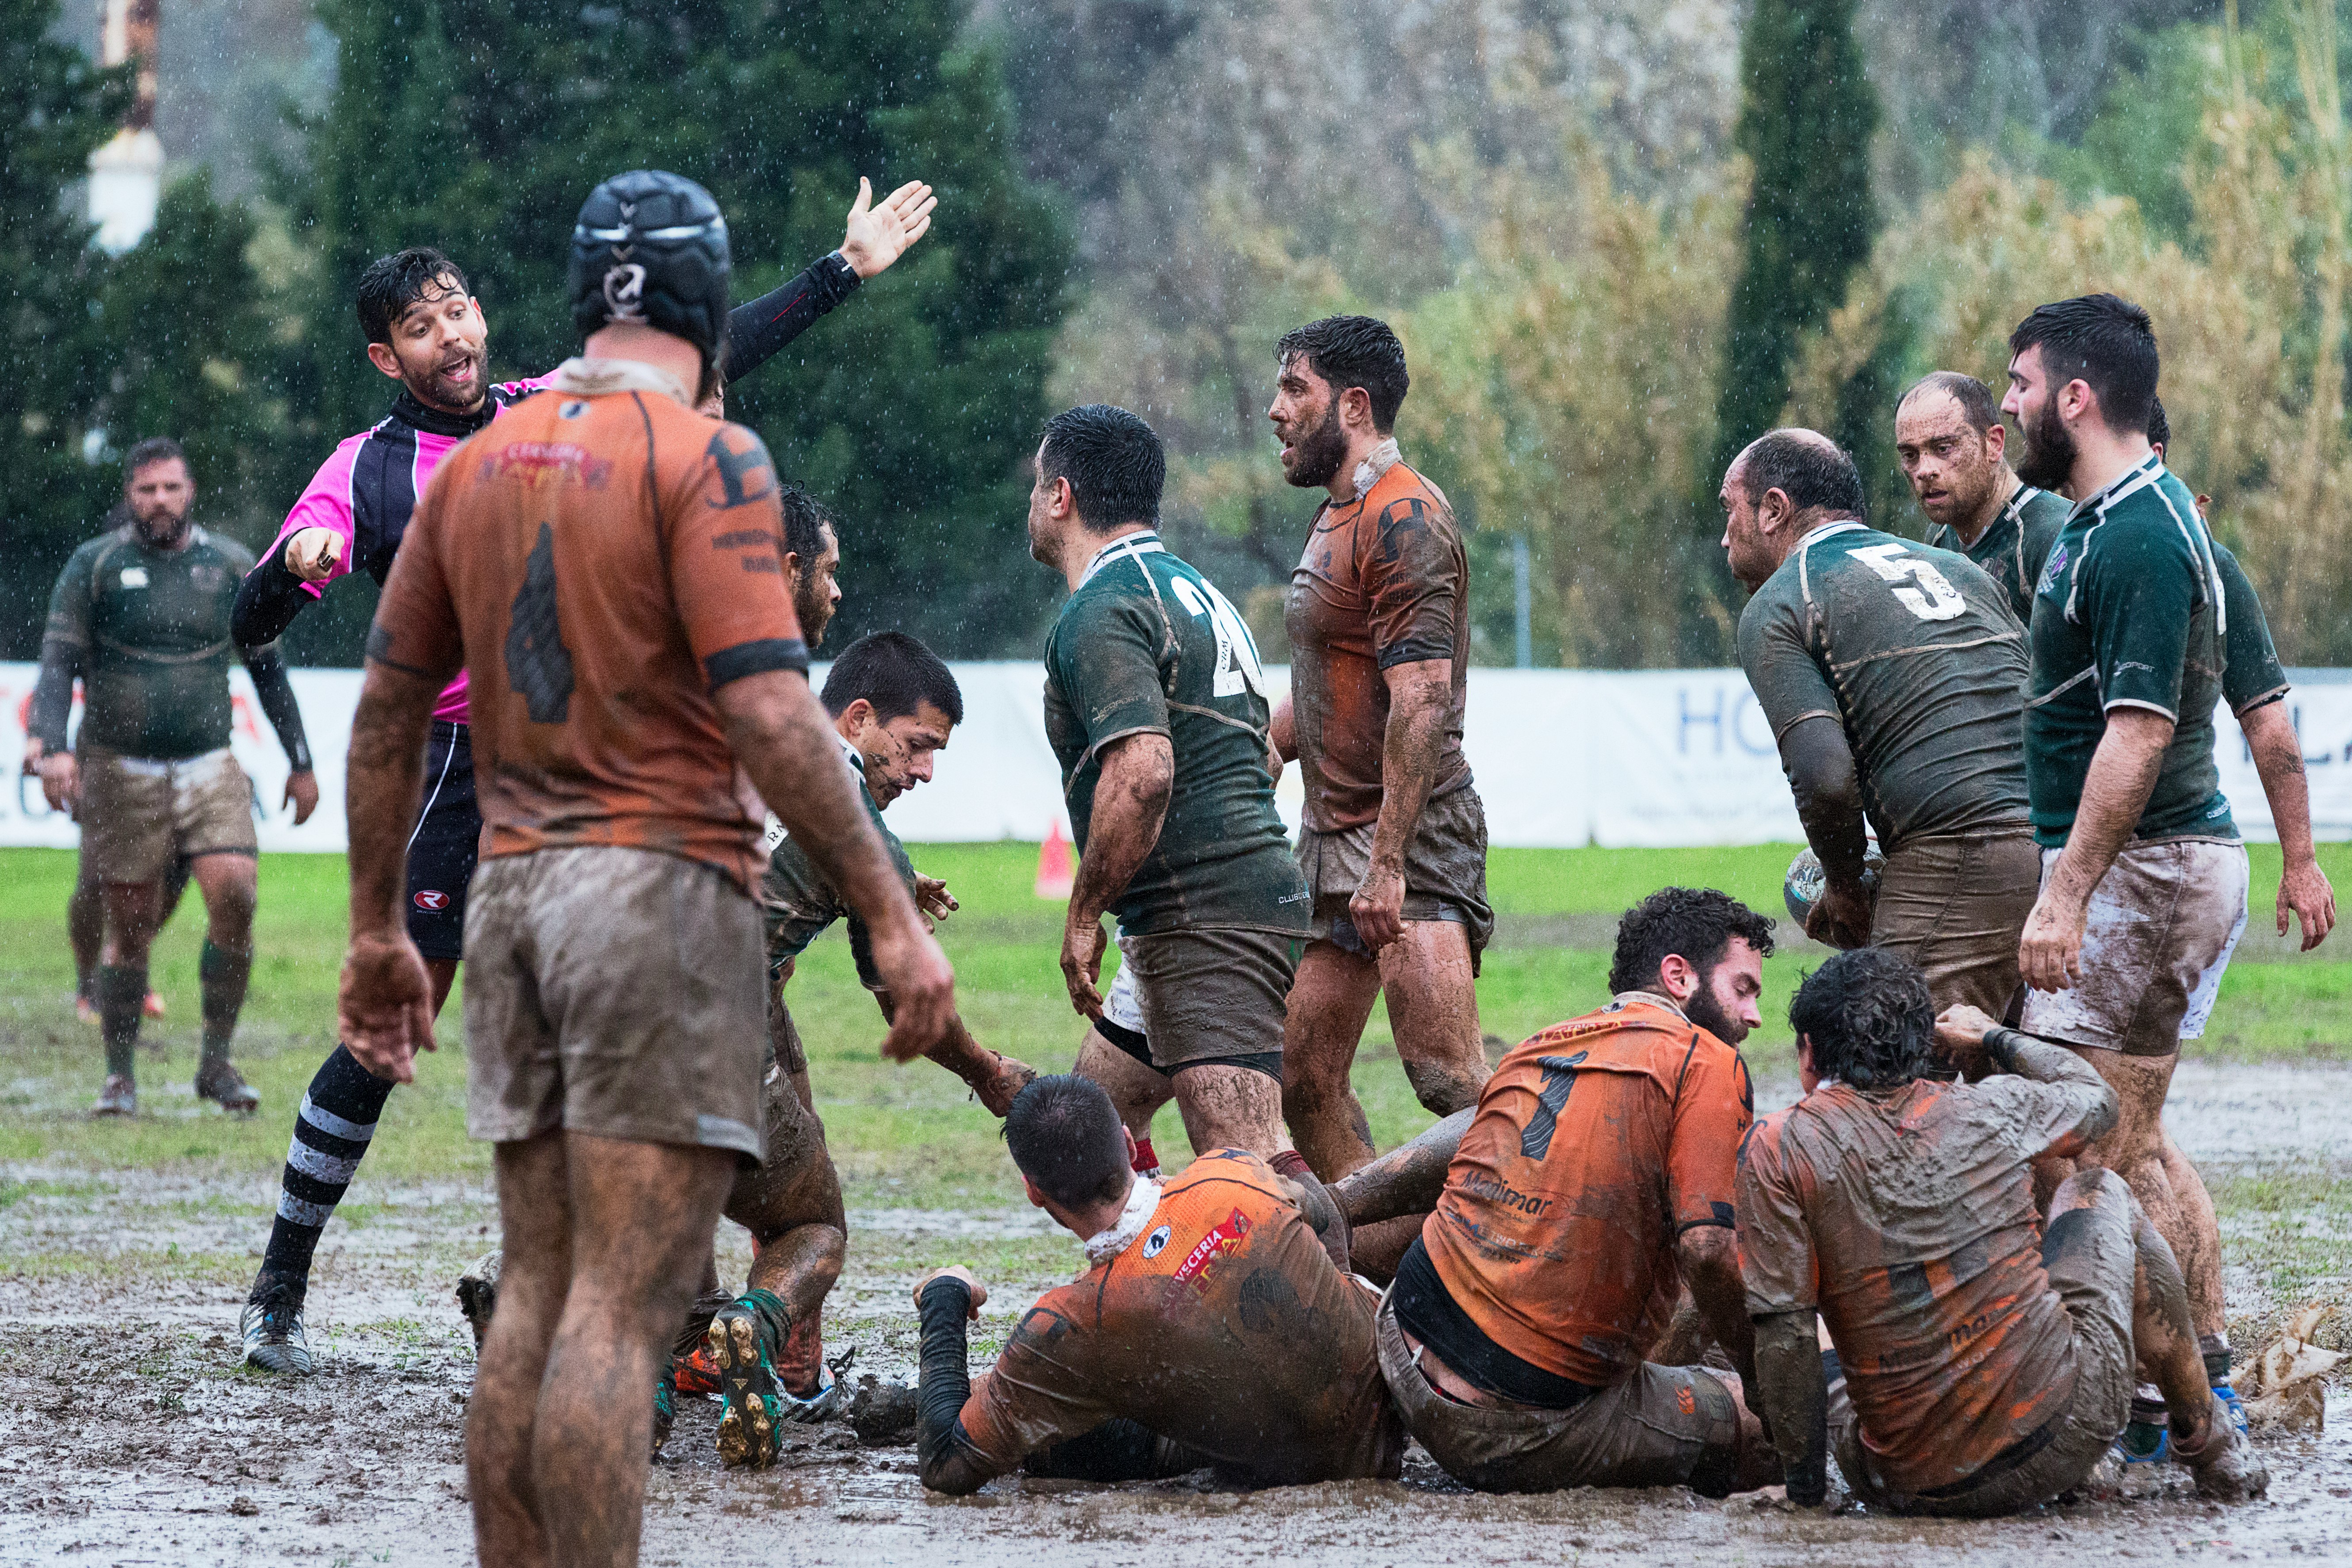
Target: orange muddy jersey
(1908, 1219)
(1595, 1146)
(600, 564)
(1383, 582)
(1224, 1325)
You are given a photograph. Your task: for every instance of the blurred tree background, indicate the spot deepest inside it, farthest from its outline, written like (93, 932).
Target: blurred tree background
(1618, 242)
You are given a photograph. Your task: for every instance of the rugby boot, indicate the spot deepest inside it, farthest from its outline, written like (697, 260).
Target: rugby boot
(2236, 1403)
(800, 1363)
(272, 1331)
(477, 1294)
(225, 1087)
(154, 1005)
(2226, 1466)
(696, 1372)
(118, 1098)
(753, 1403)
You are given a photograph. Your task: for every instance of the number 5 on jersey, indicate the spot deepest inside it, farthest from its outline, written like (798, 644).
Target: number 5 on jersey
(1934, 598)
(1237, 664)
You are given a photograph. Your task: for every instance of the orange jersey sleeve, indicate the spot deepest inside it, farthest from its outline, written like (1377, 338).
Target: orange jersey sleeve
(1714, 1106)
(1776, 1243)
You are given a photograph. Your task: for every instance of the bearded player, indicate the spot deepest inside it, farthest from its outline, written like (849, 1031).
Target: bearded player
(426, 331)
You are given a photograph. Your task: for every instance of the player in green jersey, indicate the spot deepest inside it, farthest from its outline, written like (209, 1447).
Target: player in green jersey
(1890, 673)
(1949, 436)
(1156, 708)
(142, 616)
(2144, 891)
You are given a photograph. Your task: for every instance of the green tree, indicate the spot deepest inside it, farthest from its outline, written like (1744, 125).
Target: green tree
(478, 129)
(1806, 115)
(51, 372)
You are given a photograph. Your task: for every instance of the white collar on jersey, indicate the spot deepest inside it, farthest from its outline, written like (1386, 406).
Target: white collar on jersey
(1376, 461)
(1628, 998)
(2145, 472)
(1823, 530)
(1143, 1203)
(1144, 544)
(586, 377)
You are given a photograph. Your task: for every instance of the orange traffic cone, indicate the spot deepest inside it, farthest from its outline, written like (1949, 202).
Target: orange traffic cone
(1056, 874)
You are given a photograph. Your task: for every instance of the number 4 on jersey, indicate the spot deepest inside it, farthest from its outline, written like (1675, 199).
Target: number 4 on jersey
(1934, 599)
(1237, 664)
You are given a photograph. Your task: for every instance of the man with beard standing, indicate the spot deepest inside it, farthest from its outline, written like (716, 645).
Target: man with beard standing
(2143, 877)
(142, 616)
(1394, 841)
(1949, 436)
(426, 331)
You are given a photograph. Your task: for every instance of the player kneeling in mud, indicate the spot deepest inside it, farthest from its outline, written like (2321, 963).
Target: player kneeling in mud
(1210, 1327)
(1982, 1363)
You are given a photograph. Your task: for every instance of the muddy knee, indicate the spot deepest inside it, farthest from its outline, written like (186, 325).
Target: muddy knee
(1442, 1088)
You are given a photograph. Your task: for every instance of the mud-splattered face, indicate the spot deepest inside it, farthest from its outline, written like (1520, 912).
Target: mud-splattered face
(1305, 415)
(899, 752)
(1951, 465)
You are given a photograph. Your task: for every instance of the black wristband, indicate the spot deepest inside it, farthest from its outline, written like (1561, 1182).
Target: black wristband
(2001, 1047)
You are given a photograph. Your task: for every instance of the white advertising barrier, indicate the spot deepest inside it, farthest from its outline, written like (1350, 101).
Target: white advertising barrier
(1640, 759)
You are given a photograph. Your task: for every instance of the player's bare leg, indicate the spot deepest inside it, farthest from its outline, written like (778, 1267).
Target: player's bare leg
(131, 912)
(601, 1240)
(231, 887)
(1433, 1000)
(1330, 1001)
(1137, 1092)
(2200, 1266)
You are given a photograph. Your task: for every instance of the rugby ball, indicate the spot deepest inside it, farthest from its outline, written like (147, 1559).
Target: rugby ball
(1801, 887)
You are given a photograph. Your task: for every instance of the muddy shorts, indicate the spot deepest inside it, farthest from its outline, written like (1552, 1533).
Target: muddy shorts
(2092, 1264)
(615, 992)
(1122, 1015)
(1445, 873)
(1955, 907)
(1213, 995)
(140, 813)
(1657, 1428)
(2162, 924)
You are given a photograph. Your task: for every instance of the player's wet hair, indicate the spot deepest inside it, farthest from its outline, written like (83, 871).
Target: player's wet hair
(2101, 340)
(805, 520)
(1814, 472)
(1353, 350)
(1113, 461)
(1869, 1018)
(2159, 428)
(393, 283)
(1979, 406)
(152, 450)
(1696, 922)
(1063, 1133)
(894, 672)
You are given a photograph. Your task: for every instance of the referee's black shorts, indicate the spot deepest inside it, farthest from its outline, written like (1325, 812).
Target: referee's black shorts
(443, 850)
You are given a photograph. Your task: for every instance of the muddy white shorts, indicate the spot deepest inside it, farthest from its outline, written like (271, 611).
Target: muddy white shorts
(2161, 926)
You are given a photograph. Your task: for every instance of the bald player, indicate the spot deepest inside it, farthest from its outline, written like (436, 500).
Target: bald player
(1893, 675)
(1949, 434)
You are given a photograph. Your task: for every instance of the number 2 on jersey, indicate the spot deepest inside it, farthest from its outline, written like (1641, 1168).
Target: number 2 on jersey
(1237, 664)
(1934, 598)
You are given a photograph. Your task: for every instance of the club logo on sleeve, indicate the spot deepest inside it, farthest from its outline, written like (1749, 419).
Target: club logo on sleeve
(432, 901)
(1156, 1242)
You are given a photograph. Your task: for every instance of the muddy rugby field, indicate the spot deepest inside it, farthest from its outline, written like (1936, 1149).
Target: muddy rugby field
(127, 1433)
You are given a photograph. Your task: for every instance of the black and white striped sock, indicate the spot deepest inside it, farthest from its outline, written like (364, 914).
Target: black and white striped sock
(332, 1134)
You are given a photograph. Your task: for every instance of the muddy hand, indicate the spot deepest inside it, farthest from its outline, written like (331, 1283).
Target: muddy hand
(2305, 890)
(1961, 1032)
(1008, 1078)
(2050, 953)
(1841, 919)
(956, 1271)
(1378, 908)
(1083, 943)
(931, 897)
(383, 1008)
(302, 794)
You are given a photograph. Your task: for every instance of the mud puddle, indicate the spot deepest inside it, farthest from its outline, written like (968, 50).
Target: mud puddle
(128, 1436)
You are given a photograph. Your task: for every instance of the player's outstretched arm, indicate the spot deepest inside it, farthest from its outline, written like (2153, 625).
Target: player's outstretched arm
(1407, 1180)
(2304, 890)
(268, 668)
(945, 1299)
(781, 736)
(1795, 1401)
(1131, 795)
(991, 1075)
(876, 236)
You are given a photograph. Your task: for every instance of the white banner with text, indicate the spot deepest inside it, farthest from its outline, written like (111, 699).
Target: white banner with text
(1641, 759)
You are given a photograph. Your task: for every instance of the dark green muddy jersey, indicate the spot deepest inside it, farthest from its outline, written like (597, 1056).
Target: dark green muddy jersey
(2254, 676)
(2129, 613)
(1914, 651)
(2013, 545)
(147, 630)
(1147, 646)
(798, 900)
